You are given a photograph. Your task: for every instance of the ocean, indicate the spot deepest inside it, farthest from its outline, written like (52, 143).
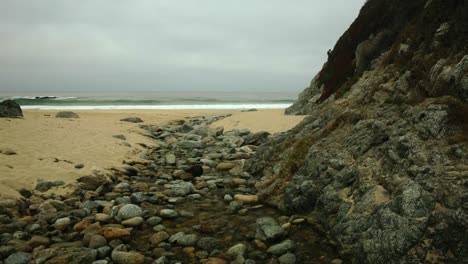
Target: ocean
(151, 100)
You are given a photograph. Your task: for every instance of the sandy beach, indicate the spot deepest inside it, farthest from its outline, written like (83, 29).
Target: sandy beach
(48, 148)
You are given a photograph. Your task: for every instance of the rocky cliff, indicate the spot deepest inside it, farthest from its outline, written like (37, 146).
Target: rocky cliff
(380, 165)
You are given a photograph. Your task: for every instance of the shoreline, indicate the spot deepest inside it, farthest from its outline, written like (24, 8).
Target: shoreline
(48, 148)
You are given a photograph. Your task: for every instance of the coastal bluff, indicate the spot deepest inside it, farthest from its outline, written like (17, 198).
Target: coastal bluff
(380, 165)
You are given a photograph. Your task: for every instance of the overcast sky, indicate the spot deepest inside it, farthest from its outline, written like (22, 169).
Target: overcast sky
(149, 45)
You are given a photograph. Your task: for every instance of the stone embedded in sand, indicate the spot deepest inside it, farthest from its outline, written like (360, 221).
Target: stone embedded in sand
(10, 109)
(44, 186)
(7, 151)
(132, 120)
(120, 136)
(244, 198)
(113, 232)
(66, 114)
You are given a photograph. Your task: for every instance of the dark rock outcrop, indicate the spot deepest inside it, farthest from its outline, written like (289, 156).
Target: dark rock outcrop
(10, 109)
(379, 162)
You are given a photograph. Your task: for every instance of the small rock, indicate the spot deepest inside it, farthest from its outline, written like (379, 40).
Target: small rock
(7, 151)
(228, 198)
(122, 257)
(170, 159)
(134, 221)
(120, 136)
(237, 250)
(158, 238)
(268, 229)
(168, 213)
(18, 258)
(288, 258)
(128, 211)
(37, 241)
(66, 114)
(281, 248)
(113, 232)
(132, 120)
(190, 144)
(80, 226)
(225, 166)
(62, 223)
(104, 218)
(183, 240)
(215, 261)
(246, 198)
(138, 197)
(154, 221)
(6, 251)
(97, 241)
(46, 185)
(103, 252)
(161, 260)
(101, 261)
(209, 244)
(79, 166)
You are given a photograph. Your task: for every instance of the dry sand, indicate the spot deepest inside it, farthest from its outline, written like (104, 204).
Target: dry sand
(48, 148)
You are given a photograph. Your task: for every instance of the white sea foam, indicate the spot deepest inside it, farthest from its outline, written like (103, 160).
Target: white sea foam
(161, 107)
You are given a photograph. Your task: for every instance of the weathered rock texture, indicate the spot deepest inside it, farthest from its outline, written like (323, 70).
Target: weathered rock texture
(382, 160)
(10, 108)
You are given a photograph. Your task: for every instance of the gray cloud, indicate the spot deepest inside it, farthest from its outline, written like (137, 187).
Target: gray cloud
(159, 45)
